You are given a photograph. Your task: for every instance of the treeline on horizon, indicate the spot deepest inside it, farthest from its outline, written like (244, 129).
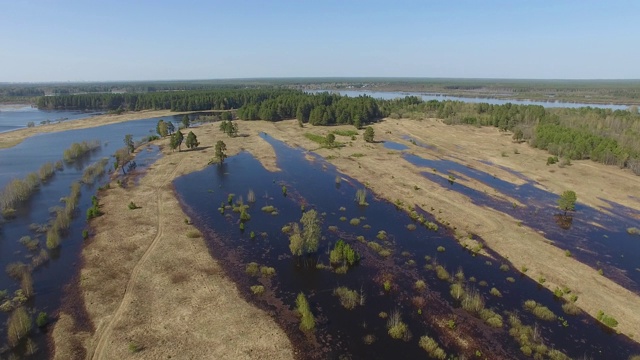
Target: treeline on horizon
(603, 135)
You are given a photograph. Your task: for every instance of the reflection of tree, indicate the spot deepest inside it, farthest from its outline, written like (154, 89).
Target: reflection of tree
(564, 221)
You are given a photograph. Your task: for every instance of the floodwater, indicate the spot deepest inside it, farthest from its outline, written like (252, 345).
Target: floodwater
(390, 95)
(13, 117)
(596, 238)
(313, 185)
(28, 156)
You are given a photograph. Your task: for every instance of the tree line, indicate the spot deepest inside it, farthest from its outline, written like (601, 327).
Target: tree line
(603, 135)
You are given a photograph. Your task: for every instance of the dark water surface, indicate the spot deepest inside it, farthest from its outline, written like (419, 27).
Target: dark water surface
(594, 237)
(16, 162)
(312, 184)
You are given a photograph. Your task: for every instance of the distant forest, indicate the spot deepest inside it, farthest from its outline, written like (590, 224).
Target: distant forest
(603, 135)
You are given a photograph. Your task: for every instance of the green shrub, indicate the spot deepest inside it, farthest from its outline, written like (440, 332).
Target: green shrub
(420, 285)
(267, 271)
(495, 292)
(193, 234)
(442, 273)
(307, 321)
(343, 252)
(257, 289)
(633, 231)
(349, 299)
(134, 348)
(504, 267)
(606, 319)
(42, 319)
(411, 227)
(269, 209)
(354, 222)
(252, 268)
(540, 311)
(441, 249)
(432, 348)
(396, 328)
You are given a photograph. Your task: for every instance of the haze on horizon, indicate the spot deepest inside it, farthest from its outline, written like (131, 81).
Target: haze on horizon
(74, 40)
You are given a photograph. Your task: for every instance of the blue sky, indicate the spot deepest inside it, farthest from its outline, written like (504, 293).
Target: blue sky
(90, 40)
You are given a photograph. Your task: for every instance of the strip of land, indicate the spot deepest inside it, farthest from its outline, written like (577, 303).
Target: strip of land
(150, 286)
(13, 138)
(146, 284)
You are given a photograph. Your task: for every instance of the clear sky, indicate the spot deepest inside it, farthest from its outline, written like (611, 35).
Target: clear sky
(90, 40)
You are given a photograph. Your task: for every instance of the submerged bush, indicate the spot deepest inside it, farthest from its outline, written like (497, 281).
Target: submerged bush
(16, 192)
(349, 299)
(343, 253)
(540, 311)
(18, 326)
(432, 348)
(76, 150)
(396, 328)
(307, 321)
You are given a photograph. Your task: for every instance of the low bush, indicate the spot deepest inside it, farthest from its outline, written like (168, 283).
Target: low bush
(540, 311)
(257, 289)
(606, 319)
(354, 222)
(349, 299)
(571, 308)
(432, 348)
(307, 321)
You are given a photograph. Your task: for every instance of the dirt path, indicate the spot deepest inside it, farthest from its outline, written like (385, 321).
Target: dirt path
(105, 333)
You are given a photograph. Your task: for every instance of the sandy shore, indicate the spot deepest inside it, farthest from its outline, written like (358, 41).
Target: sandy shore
(145, 283)
(13, 138)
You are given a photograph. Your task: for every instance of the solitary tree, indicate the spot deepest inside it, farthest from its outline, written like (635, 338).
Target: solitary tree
(161, 128)
(186, 122)
(170, 128)
(306, 240)
(176, 140)
(192, 140)
(18, 326)
(368, 134)
(518, 135)
(128, 142)
(567, 201)
(220, 149)
(331, 139)
(123, 157)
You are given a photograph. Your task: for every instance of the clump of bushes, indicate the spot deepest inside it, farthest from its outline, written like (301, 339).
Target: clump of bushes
(442, 273)
(16, 192)
(18, 326)
(257, 289)
(269, 209)
(349, 299)
(396, 328)
(432, 348)
(94, 210)
(76, 150)
(540, 311)
(46, 171)
(606, 319)
(354, 222)
(343, 253)
(307, 321)
(633, 231)
(495, 292)
(94, 170)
